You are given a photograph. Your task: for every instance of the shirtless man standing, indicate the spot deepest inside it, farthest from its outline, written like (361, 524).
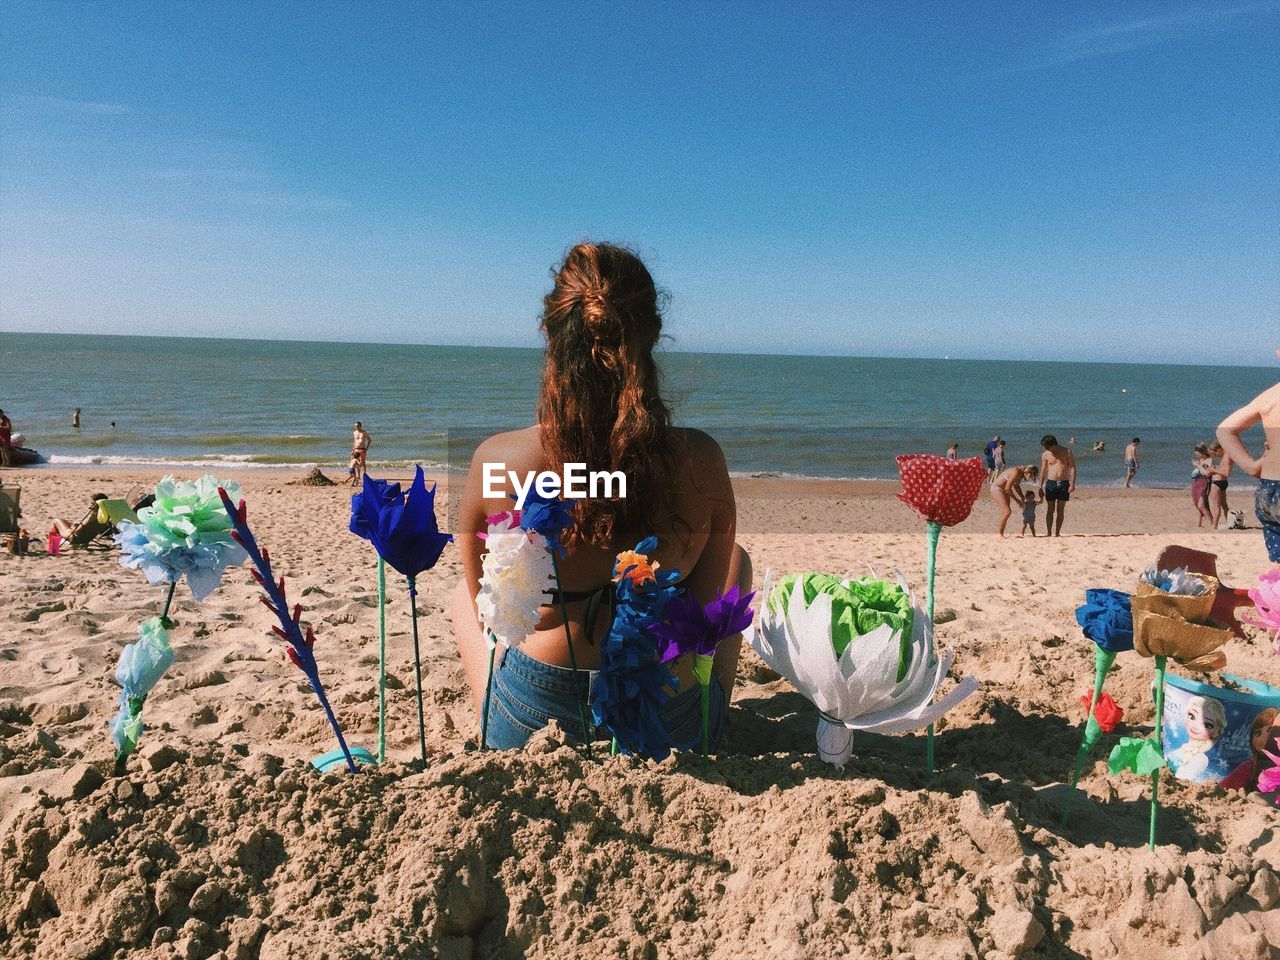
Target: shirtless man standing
(1264, 409)
(1131, 461)
(1057, 481)
(359, 450)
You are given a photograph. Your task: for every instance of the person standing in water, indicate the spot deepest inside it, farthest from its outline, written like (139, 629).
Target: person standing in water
(1057, 482)
(1263, 409)
(1131, 461)
(953, 451)
(75, 419)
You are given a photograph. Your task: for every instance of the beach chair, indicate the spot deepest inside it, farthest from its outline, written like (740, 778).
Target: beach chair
(103, 518)
(1228, 599)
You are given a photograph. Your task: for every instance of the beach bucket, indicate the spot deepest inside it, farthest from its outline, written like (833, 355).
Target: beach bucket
(1206, 728)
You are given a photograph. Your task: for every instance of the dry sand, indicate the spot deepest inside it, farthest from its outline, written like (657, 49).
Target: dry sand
(221, 842)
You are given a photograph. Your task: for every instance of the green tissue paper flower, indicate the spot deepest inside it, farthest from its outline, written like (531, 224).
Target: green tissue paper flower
(1141, 756)
(857, 606)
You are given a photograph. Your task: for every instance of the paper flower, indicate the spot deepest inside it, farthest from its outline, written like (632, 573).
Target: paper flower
(1106, 619)
(690, 627)
(1269, 779)
(1178, 625)
(1107, 712)
(402, 527)
(632, 686)
(510, 517)
(300, 644)
(185, 532)
(1141, 756)
(141, 666)
(1266, 602)
(939, 490)
(857, 688)
(516, 575)
(857, 606)
(1179, 581)
(548, 516)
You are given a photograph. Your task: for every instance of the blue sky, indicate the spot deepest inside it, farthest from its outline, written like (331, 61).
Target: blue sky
(1024, 180)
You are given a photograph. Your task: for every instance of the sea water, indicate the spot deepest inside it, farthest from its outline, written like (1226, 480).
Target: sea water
(198, 402)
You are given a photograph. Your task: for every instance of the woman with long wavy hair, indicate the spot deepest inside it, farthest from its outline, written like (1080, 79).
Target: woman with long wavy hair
(600, 405)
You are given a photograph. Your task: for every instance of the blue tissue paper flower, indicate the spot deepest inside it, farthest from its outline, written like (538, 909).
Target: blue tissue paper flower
(632, 686)
(141, 666)
(548, 516)
(402, 527)
(1106, 619)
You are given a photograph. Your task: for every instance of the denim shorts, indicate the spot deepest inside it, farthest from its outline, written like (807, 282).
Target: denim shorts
(1267, 508)
(526, 693)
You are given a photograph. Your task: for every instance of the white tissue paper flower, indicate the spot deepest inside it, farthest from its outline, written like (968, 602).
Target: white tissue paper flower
(516, 573)
(860, 689)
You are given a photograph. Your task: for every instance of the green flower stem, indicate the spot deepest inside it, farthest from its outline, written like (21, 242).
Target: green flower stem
(168, 600)
(932, 532)
(1155, 774)
(568, 642)
(382, 661)
(613, 747)
(1102, 661)
(706, 718)
(702, 667)
(488, 694)
(417, 669)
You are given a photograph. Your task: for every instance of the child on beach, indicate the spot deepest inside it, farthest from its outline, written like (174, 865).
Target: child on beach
(1029, 504)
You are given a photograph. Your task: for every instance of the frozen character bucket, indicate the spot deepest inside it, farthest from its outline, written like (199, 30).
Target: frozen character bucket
(1208, 731)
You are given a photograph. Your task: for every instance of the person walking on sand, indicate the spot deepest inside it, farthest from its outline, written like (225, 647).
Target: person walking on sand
(1201, 474)
(1218, 484)
(1007, 490)
(1264, 409)
(1057, 482)
(1131, 461)
(360, 442)
(990, 452)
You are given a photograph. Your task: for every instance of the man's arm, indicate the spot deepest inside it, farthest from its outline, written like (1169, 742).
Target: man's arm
(1071, 471)
(1230, 429)
(1044, 468)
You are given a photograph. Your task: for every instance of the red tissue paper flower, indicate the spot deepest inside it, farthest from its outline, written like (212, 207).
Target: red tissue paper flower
(1107, 713)
(941, 491)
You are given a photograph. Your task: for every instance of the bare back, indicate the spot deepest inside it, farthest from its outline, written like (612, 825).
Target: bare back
(700, 543)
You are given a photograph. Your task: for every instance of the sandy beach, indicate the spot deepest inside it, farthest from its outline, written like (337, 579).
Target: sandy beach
(220, 841)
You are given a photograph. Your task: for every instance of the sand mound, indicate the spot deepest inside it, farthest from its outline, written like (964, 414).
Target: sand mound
(199, 852)
(313, 479)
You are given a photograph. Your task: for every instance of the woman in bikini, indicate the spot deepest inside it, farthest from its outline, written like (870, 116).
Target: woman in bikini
(1201, 474)
(600, 405)
(1007, 490)
(1218, 484)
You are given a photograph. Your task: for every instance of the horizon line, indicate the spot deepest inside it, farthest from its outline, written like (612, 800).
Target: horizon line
(668, 349)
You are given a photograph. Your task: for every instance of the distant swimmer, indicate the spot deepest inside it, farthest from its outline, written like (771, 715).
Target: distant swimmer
(75, 419)
(953, 451)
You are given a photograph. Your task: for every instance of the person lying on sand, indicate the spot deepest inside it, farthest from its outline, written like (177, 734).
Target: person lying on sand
(88, 527)
(1264, 409)
(600, 406)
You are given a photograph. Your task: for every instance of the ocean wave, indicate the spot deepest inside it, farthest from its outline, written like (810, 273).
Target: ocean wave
(238, 462)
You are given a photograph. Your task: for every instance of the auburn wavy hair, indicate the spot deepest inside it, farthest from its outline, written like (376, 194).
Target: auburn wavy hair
(600, 402)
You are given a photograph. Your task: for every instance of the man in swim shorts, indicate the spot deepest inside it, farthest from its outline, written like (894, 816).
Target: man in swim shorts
(1131, 461)
(1057, 482)
(1264, 409)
